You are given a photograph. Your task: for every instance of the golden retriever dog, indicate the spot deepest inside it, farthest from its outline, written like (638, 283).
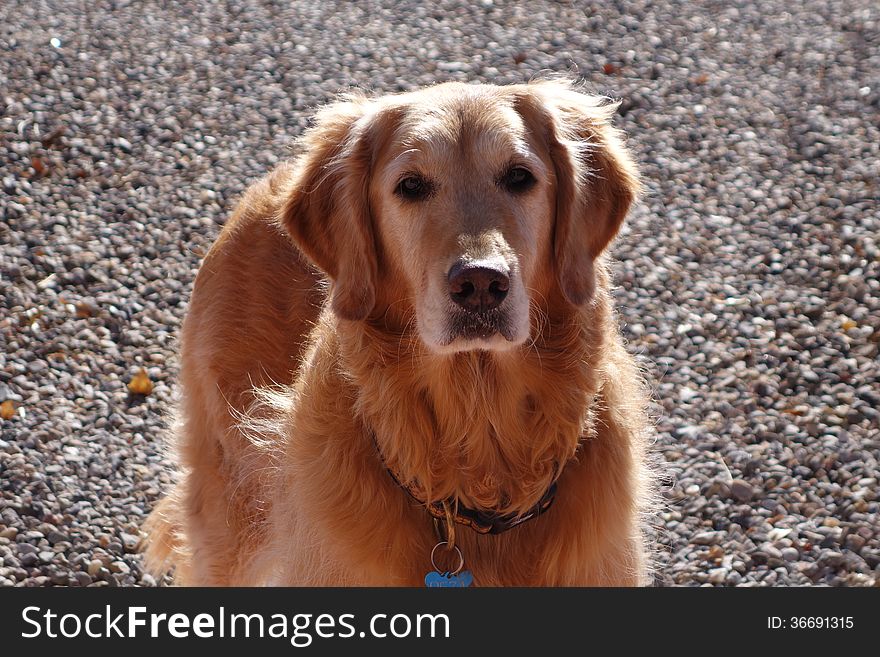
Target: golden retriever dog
(404, 340)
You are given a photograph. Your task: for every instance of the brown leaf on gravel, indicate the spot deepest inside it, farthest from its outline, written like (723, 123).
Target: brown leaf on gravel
(140, 383)
(610, 69)
(85, 309)
(50, 139)
(39, 166)
(7, 410)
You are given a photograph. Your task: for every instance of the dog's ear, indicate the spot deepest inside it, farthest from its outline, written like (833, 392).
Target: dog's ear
(328, 211)
(596, 179)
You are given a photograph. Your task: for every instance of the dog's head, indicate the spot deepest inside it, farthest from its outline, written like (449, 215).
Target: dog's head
(462, 203)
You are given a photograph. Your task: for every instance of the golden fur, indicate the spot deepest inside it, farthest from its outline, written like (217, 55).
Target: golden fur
(290, 382)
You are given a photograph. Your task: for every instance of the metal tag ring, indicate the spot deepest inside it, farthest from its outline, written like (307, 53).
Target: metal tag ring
(460, 557)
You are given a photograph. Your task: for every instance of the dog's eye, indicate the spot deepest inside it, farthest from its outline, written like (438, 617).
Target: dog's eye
(414, 188)
(517, 180)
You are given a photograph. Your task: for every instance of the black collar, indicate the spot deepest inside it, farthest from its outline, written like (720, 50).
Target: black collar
(480, 520)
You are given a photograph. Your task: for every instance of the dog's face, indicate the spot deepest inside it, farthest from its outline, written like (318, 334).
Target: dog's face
(463, 200)
(467, 204)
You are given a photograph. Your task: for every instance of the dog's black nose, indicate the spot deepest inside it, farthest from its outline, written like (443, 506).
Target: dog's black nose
(477, 287)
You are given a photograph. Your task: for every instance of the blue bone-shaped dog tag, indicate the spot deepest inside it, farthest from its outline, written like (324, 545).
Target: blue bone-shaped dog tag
(448, 580)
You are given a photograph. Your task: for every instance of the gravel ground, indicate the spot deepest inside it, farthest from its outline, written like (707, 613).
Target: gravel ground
(748, 276)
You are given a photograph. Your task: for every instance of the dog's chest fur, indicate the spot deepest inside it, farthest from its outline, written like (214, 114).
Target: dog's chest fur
(492, 431)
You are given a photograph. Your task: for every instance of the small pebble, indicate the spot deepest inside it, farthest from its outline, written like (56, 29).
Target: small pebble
(741, 490)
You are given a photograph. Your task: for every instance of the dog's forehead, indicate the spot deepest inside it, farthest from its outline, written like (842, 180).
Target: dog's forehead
(462, 121)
